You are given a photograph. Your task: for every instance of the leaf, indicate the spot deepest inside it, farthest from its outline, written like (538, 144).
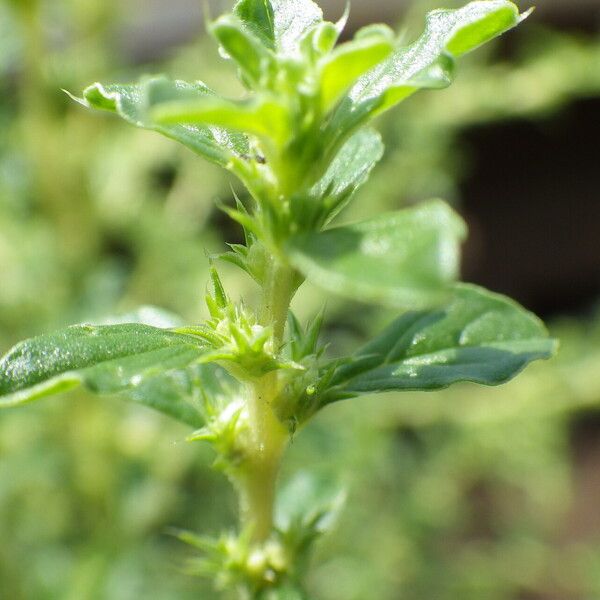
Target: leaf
(105, 359)
(342, 67)
(429, 62)
(348, 171)
(187, 394)
(293, 19)
(258, 17)
(281, 25)
(405, 259)
(242, 45)
(262, 116)
(173, 394)
(133, 101)
(477, 336)
(309, 504)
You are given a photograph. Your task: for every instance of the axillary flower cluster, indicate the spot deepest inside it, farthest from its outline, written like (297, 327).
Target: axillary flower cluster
(251, 376)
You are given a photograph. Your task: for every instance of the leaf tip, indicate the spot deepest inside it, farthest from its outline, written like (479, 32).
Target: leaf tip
(77, 99)
(527, 14)
(341, 23)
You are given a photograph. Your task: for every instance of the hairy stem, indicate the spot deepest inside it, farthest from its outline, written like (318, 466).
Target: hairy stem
(268, 440)
(278, 290)
(268, 436)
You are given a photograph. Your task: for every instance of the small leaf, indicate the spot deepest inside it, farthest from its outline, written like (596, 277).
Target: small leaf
(341, 68)
(172, 394)
(218, 290)
(133, 101)
(324, 38)
(258, 17)
(105, 359)
(478, 336)
(429, 62)
(263, 116)
(348, 171)
(309, 503)
(404, 259)
(293, 19)
(189, 395)
(242, 45)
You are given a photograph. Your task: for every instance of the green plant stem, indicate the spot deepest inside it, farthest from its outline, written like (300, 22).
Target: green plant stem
(278, 290)
(268, 440)
(268, 436)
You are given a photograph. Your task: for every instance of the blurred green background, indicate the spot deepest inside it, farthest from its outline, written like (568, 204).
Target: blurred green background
(472, 493)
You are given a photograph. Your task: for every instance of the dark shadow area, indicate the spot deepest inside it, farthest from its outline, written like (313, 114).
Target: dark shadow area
(532, 200)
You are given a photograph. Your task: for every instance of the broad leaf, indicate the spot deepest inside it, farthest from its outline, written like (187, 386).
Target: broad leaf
(429, 62)
(348, 171)
(106, 359)
(405, 259)
(478, 336)
(132, 102)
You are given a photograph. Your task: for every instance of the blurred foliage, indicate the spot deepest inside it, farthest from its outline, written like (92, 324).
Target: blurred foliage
(470, 493)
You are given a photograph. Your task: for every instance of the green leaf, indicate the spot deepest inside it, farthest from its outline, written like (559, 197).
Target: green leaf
(429, 62)
(293, 19)
(309, 504)
(405, 259)
(132, 102)
(173, 393)
(341, 68)
(323, 38)
(348, 171)
(258, 17)
(105, 359)
(478, 336)
(263, 116)
(281, 25)
(188, 395)
(242, 45)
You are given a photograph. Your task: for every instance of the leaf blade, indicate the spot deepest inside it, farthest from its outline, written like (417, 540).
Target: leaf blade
(478, 337)
(348, 171)
(105, 359)
(132, 102)
(292, 21)
(263, 116)
(405, 259)
(180, 394)
(258, 17)
(348, 62)
(427, 63)
(241, 43)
